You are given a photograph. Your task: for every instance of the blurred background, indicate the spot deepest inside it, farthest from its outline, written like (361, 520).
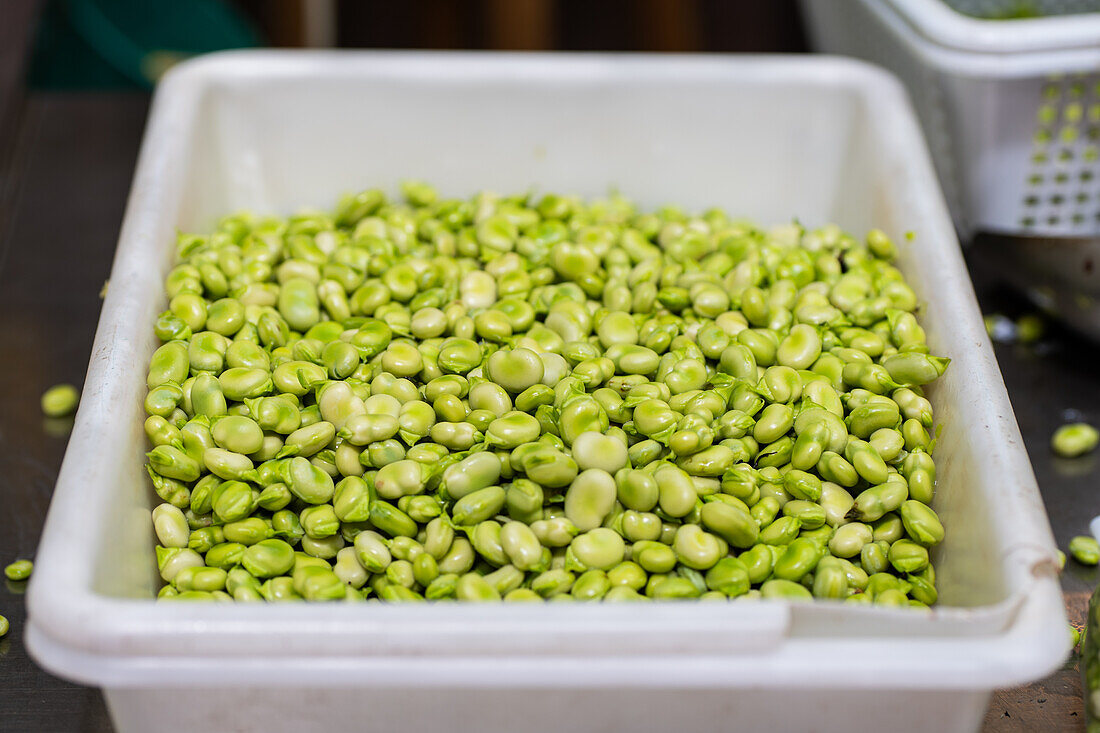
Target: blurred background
(75, 83)
(121, 43)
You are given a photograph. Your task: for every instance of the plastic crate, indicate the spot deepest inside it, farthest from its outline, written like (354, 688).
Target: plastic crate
(1011, 107)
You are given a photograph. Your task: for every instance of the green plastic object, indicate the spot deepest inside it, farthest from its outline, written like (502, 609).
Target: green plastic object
(129, 43)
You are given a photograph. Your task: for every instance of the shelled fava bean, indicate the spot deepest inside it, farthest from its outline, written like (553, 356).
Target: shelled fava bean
(1074, 439)
(539, 399)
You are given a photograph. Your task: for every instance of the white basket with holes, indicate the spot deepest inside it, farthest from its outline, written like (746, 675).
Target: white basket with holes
(1008, 93)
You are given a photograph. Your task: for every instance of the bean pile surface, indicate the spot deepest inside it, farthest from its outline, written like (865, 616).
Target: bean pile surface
(535, 399)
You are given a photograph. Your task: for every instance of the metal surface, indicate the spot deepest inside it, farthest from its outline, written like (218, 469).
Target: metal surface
(1060, 274)
(1050, 383)
(76, 156)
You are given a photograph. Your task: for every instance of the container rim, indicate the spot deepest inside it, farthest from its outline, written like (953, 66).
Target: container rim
(84, 635)
(945, 26)
(954, 47)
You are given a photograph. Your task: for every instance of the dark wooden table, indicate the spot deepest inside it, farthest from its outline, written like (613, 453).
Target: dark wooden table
(60, 211)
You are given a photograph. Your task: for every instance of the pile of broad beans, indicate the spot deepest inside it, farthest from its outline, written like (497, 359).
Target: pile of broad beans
(1090, 662)
(539, 398)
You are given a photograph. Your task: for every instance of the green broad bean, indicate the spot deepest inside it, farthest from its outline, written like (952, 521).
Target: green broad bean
(758, 561)
(268, 558)
(866, 461)
(653, 557)
(324, 548)
(237, 434)
(474, 472)
(712, 461)
(204, 579)
(696, 548)
(599, 451)
(554, 531)
(775, 454)
(163, 399)
(522, 546)
(834, 468)
(478, 506)
(733, 524)
(225, 555)
(318, 584)
(866, 419)
(590, 585)
(1085, 550)
(830, 582)
(319, 521)
(512, 429)
(242, 383)
(849, 540)
(637, 526)
(590, 498)
(811, 515)
(310, 439)
(779, 589)
(914, 367)
(172, 463)
(456, 436)
(891, 597)
(799, 558)
(505, 579)
(21, 569)
(161, 432)
(400, 478)
(390, 520)
(516, 370)
(307, 482)
(524, 500)
(913, 406)
(676, 491)
(873, 503)
(921, 523)
(547, 466)
(673, 588)
(873, 557)
(907, 556)
(836, 501)
(232, 501)
(636, 489)
(485, 540)
(800, 348)
(247, 531)
(765, 510)
(551, 583)
(169, 364)
(728, 576)
(599, 548)
(802, 485)
(1074, 439)
(421, 508)
(781, 531)
(277, 414)
(202, 540)
(773, 423)
(627, 574)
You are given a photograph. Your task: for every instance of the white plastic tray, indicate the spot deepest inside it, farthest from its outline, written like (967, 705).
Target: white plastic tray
(774, 138)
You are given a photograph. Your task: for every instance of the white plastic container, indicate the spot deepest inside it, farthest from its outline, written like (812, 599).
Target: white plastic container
(818, 138)
(1011, 108)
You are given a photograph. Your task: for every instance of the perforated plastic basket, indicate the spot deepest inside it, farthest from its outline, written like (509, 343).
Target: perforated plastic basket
(1008, 93)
